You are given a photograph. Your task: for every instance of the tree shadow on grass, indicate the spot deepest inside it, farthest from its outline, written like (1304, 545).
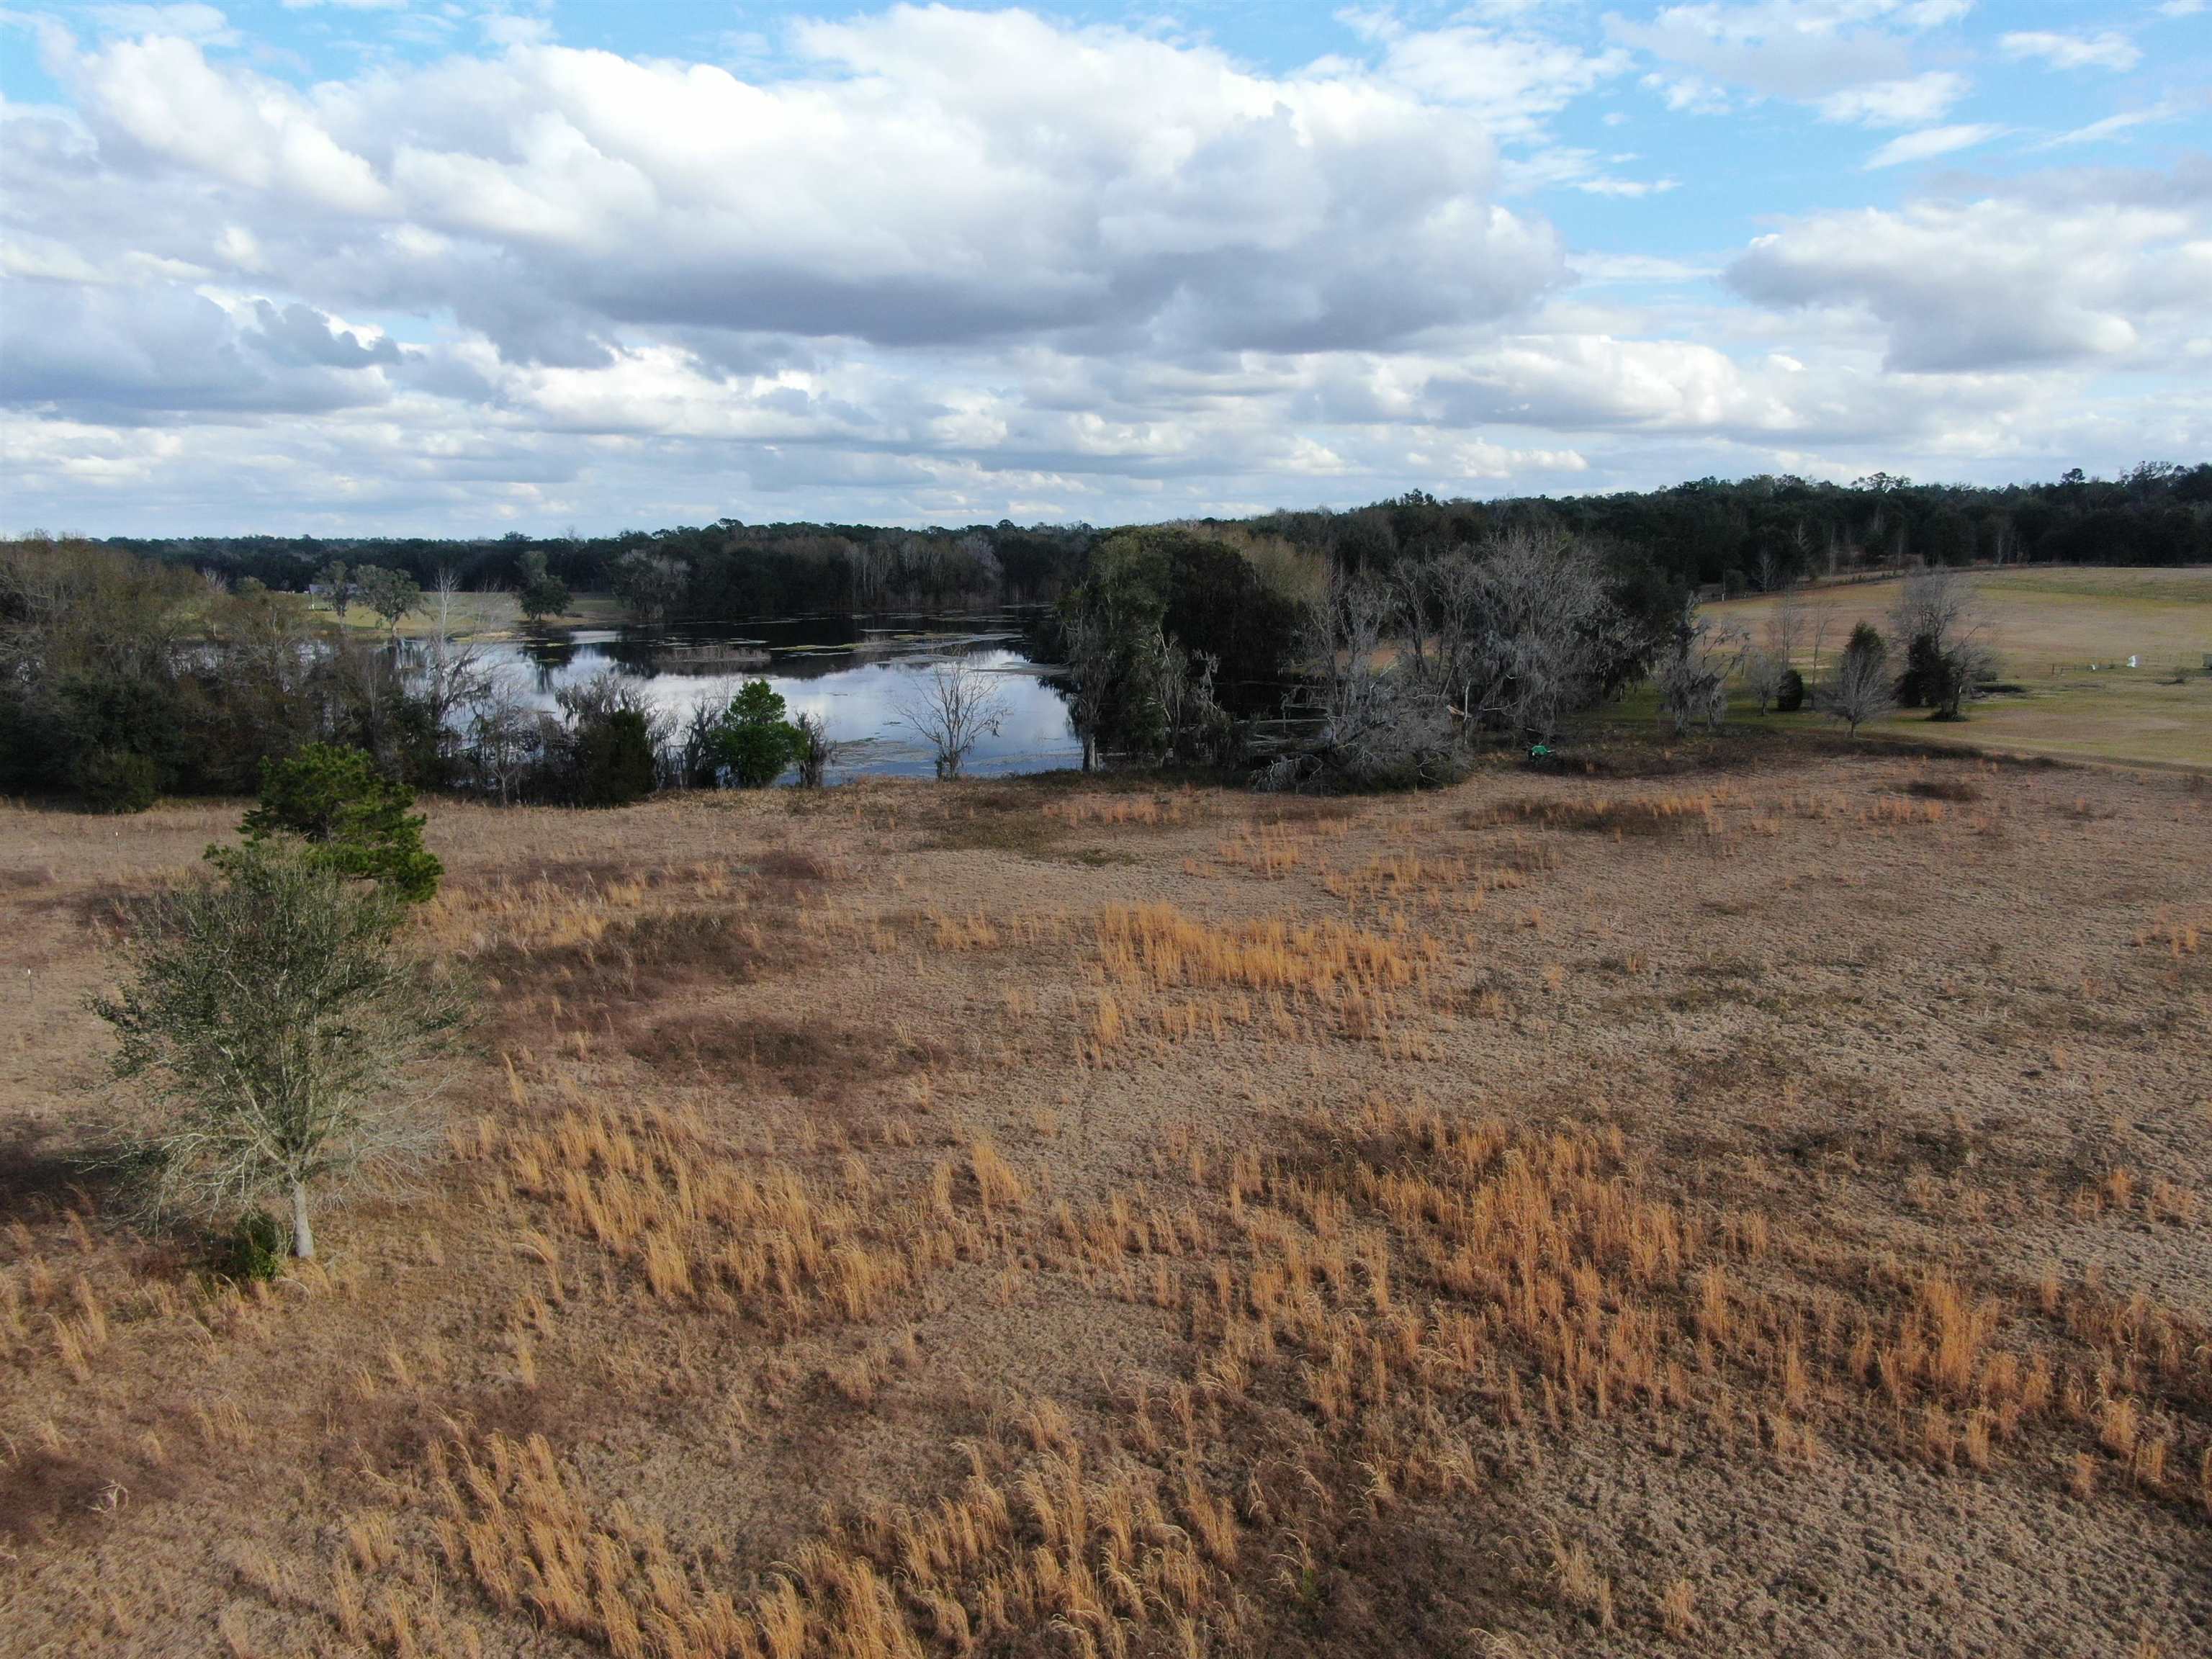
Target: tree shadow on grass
(41, 1177)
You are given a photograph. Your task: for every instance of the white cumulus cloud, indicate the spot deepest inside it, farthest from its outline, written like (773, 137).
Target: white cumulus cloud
(932, 264)
(1800, 49)
(1910, 102)
(942, 175)
(1931, 141)
(2003, 283)
(2108, 49)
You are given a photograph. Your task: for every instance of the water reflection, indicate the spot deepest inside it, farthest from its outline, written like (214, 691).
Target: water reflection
(851, 674)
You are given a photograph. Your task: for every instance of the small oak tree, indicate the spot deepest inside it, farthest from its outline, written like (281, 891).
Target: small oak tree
(542, 594)
(650, 585)
(338, 584)
(608, 750)
(272, 1015)
(389, 594)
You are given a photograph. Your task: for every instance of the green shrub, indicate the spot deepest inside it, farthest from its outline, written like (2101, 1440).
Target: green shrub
(1935, 677)
(1790, 695)
(614, 759)
(97, 717)
(354, 817)
(753, 738)
(254, 1249)
(116, 781)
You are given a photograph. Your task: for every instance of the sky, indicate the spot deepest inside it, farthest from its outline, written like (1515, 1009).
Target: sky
(346, 267)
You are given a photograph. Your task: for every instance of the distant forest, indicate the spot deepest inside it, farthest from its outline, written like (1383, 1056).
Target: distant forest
(1752, 534)
(131, 668)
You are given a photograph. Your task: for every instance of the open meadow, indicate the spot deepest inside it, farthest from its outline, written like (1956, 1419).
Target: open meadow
(490, 615)
(1751, 1198)
(2062, 636)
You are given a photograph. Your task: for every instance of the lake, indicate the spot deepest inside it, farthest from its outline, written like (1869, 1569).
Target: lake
(851, 672)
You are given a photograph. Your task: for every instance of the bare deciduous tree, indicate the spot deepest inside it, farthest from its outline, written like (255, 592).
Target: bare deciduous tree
(1933, 602)
(272, 1016)
(817, 750)
(1513, 638)
(1943, 636)
(1819, 637)
(508, 736)
(1540, 634)
(1785, 629)
(1764, 672)
(1767, 669)
(1861, 689)
(447, 674)
(954, 706)
(1693, 674)
(1381, 722)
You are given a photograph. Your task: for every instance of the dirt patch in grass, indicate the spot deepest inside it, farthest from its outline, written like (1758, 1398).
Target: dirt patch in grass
(633, 965)
(1023, 829)
(790, 870)
(1100, 858)
(816, 1060)
(1634, 815)
(1950, 789)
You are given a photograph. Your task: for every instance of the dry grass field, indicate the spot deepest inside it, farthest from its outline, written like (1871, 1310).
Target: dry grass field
(1749, 1202)
(2062, 636)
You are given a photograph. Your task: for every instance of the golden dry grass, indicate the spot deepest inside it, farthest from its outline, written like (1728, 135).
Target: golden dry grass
(1761, 1211)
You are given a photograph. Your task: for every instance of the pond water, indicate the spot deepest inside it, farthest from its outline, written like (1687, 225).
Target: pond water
(852, 672)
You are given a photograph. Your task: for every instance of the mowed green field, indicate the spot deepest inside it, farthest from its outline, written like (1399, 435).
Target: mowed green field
(2063, 635)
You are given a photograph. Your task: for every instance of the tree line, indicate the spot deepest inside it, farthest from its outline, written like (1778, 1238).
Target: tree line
(714, 572)
(1358, 648)
(1757, 534)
